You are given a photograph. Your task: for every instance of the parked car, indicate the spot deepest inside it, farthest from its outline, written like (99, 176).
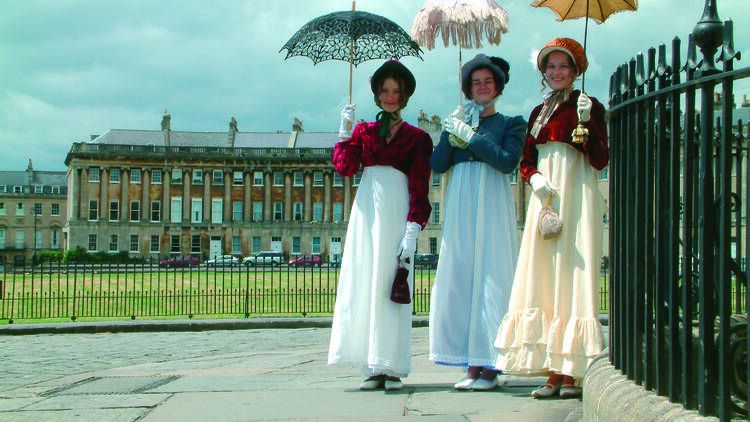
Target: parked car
(335, 262)
(179, 262)
(223, 261)
(306, 261)
(264, 258)
(426, 260)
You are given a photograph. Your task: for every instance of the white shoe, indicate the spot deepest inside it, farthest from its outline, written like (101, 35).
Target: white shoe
(465, 384)
(393, 383)
(372, 383)
(485, 385)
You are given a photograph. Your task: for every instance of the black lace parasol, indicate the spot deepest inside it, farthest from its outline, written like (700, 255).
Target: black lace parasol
(352, 36)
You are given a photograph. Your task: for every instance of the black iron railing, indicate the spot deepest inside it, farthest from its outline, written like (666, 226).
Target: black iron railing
(58, 290)
(678, 224)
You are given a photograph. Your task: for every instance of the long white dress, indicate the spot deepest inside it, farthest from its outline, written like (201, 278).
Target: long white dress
(369, 330)
(552, 322)
(477, 259)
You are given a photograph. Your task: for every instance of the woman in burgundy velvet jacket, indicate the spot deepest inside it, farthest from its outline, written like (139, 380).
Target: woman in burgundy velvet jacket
(389, 210)
(552, 325)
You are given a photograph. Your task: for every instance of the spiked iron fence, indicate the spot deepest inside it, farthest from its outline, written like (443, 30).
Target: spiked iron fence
(678, 223)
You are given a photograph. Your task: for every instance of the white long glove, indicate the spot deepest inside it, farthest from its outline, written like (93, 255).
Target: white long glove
(409, 242)
(584, 107)
(459, 114)
(347, 121)
(460, 130)
(541, 186)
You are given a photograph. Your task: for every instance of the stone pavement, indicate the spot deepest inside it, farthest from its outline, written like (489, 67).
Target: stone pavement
(236, 375)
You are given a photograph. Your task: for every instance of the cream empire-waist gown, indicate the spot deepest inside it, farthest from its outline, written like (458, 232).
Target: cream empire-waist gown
(369, 330)
(552, 322)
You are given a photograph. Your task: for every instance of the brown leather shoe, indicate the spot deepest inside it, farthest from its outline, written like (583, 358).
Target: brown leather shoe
(545, 391)
(568, 391)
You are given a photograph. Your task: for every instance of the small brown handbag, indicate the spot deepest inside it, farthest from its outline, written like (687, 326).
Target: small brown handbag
(400, 290)
(550, 225)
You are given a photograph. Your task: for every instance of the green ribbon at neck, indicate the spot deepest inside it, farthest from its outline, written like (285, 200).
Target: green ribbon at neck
(385, 118)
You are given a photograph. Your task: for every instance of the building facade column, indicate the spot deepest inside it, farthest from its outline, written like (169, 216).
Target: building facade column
(166, 181)
(145, 195)
(267, 205)
(308, 200)
(124, 186)
(347, 197)
(104, 194)
(228, 200)
(207, 196)
(247, 207)
(186, 200)
(287, 196)
(327, 181)
(84, 204)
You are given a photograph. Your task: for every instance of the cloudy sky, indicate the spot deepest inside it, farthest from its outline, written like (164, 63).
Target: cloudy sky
(73, 68)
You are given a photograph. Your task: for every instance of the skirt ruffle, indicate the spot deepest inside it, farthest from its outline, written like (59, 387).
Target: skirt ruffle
(531, 342)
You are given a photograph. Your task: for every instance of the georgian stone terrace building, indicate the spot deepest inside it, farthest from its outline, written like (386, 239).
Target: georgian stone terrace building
(160, 193)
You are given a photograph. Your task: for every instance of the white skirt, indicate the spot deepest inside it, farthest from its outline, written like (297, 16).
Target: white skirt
(552, 322)
(369, 330)
(475, 271)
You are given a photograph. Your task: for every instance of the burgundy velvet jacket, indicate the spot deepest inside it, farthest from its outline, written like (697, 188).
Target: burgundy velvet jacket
(408, 152)
(560, 128)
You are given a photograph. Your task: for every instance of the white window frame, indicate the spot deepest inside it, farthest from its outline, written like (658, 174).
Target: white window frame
(236, 244)
(115, 209)
(299, 179)
(20, 239)
(237, 211)
(436, 179)
(156, 178)
(278, 210)
(278, 178)
(38, 209)
(435, 213)
(296, 245)
(298, 214)
(195, 247)
(94, 175)
(318, 179)
(155, 207)
(154, 240)
(258, 178)
(134, 243)
(315, 248)
(175, 204)
(338, 181)
(114, 175)
(135, 176)
(3, 238)
(3, 189)
(95, 202)
(20, 209)
(338, 215)
(92, 245)
(197, 177)
(38, 189)
(356, 179)
(54, 241)
(217, 178)
(258, 211)
(37, 239)
(135, 206)
(176, 178)
(17, 189)
(256, 246)
(172, 248)
(196, 210)
(53, 212)
(237, 178)
(114, 243)
(317, 211)
(217, 210)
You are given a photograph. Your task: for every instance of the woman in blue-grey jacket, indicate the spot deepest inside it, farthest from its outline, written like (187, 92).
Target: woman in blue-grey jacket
(478, 251)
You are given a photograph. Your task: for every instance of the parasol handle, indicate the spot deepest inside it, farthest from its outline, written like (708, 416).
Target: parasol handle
(585, 36)
(351, 67)
(460, 90)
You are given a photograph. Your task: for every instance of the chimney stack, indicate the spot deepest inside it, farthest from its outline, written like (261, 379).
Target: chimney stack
(166, 127)
(232, 132)
(30, 172)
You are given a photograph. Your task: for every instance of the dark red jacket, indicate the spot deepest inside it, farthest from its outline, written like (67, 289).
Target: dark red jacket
(560, 128)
